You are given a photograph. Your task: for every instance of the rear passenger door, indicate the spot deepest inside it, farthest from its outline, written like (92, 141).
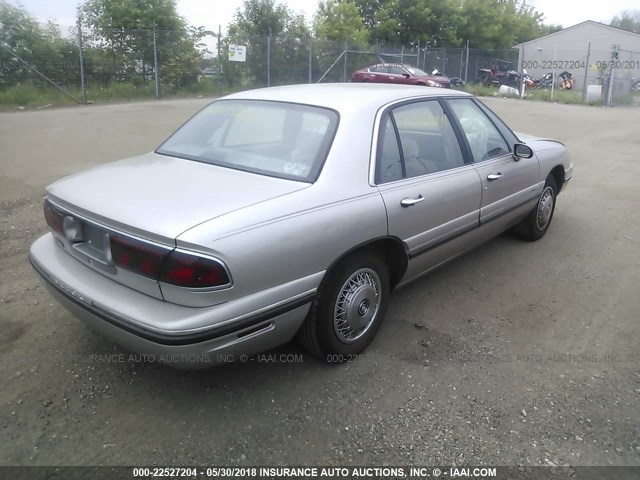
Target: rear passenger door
(430, 193)
(507, 182)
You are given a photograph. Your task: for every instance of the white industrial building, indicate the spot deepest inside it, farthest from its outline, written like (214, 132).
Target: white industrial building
(585, 50)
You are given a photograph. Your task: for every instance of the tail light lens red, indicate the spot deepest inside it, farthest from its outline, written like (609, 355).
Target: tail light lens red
(54, 217)
(163, 264)
(143, 258)
(188, 270)
(169, 266)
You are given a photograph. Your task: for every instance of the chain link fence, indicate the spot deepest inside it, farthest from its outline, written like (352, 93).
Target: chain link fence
(595, 75)
(119, 63)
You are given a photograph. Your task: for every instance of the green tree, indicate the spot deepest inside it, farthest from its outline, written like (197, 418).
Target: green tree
(268, 30)
(44, 47)
(123, 31)
(627, 20)
(487, 24)
(340, 21)
(549, 28)
(429, 22)
(499, 24)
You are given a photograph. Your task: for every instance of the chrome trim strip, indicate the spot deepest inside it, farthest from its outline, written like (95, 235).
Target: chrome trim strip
(466, 230)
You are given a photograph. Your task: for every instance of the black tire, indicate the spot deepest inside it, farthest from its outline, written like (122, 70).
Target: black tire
(536, 223)
(359, 276)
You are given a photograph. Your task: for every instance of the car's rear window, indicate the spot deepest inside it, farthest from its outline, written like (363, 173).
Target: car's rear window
(278, 139)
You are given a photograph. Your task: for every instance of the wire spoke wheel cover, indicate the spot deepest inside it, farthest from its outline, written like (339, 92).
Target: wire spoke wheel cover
(545, 208)
(357, 305)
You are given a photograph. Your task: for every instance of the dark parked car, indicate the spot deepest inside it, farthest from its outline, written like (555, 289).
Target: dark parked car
(400, 74)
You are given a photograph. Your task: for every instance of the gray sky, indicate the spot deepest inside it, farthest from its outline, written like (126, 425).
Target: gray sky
(211, 13)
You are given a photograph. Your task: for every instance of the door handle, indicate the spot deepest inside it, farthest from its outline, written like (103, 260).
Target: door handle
(409, 202)
(494, 176)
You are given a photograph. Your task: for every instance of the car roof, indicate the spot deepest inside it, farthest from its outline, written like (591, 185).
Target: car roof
(345, 96)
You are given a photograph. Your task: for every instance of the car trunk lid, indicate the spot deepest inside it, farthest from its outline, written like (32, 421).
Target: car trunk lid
(159, 197)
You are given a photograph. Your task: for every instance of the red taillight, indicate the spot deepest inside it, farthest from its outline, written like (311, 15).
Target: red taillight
(136, 256)
(54, 217)
(188, 270)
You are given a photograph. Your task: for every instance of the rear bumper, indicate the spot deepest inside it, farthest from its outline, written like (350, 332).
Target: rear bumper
(123, 314)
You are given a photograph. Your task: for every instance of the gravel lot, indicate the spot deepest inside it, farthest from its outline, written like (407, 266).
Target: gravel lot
(516, 353)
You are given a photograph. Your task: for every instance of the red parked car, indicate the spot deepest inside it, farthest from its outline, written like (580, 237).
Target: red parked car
(400, 74)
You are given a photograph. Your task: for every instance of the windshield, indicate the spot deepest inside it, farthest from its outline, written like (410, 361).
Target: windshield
(278, 139)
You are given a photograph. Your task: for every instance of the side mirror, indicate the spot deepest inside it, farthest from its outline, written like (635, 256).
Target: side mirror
(406, 75)
(520, 150)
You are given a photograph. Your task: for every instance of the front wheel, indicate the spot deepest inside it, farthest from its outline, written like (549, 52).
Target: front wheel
(348, 309)
(536, 223)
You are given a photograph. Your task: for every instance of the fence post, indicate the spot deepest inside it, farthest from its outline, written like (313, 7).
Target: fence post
(553, 77)
(586, 71)
(219, 60)
(466, 64)
(444, 60)
(612, 75)
(155, 59)
(83, 89)
(418, 56)
(269, 59)
(310, 59)
(402, 54)
(523, 84)
(344, 73)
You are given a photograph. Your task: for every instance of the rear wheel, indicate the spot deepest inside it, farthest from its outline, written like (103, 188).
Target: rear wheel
(348, 309)
(536, 223)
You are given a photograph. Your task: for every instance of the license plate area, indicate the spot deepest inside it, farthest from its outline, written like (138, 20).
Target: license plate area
(95, 248)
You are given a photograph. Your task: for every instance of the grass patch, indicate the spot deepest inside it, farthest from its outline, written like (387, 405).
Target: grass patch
(569, 97)
(34, 95)
(29, 95)
(480, 90)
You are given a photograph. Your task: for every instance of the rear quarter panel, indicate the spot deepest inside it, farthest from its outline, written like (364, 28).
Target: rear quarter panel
(264, 251)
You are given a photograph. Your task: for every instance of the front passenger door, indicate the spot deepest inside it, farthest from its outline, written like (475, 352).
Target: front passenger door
(507, 183)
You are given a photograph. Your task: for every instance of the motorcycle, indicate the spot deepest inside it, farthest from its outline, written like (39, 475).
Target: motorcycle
(544, 81)
(566, 81)
(489, 78)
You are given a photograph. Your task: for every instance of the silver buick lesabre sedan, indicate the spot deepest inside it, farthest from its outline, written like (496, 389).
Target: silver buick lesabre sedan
(289, 211)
